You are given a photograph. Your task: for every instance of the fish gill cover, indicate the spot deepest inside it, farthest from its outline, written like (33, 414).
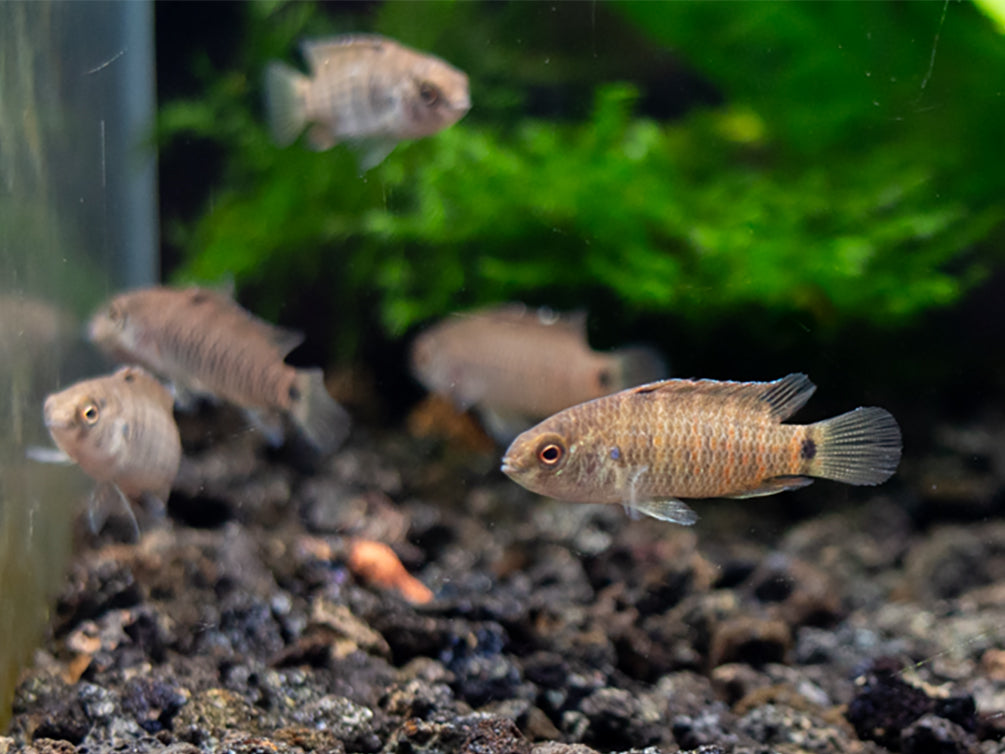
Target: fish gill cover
(838, 162)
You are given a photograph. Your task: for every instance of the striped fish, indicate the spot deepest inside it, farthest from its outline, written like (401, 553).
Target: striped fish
(204, 343)
(650, 446)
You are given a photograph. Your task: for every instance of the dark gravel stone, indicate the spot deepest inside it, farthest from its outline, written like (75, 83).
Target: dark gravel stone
(885, 704)
(495, 736)
(931, 734)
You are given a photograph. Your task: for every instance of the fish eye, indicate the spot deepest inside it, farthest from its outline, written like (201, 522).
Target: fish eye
(89, 413)
(129, 376)
(116, 314)
(429, 94)
(551, 452)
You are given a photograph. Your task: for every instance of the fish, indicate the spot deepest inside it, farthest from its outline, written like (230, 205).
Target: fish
(205, 344)
(364, 89)
(120, 430)
(516, 365)
(652, 445)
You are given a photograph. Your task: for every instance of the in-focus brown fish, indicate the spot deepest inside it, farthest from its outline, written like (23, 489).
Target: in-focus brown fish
(120, 430)
(651, 445)
(203, 342)
(365, 89)
(517, 365)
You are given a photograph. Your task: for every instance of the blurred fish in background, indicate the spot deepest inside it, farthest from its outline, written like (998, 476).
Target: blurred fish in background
(368, 90)
(517, 365)
(120, 430)
(206, 345)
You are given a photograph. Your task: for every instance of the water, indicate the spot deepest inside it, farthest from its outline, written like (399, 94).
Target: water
(77, 219)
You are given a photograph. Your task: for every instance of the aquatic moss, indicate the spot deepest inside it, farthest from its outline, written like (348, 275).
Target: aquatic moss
(790, 196)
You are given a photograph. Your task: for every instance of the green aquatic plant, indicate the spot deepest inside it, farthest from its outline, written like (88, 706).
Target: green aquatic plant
(802, 206)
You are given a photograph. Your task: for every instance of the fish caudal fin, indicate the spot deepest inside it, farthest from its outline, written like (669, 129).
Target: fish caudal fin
(285, 102)
(859, 447)
(637, 365)
(322, 421)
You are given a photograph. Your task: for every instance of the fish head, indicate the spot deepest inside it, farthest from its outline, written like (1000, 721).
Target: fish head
(544, 459)
(108, 327)
(437, 96)
(82, 421)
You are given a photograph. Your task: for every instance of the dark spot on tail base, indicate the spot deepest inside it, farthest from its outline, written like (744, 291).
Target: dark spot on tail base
(809, 449)
(294, 393)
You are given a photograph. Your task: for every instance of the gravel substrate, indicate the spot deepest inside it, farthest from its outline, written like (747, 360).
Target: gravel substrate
(239, 622)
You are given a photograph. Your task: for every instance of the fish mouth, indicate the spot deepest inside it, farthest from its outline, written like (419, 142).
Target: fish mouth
(508, 467)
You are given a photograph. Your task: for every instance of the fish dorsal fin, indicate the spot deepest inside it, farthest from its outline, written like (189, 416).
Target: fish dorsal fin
(284, 339)
(320, 53)
(518, 313)
(780, 399)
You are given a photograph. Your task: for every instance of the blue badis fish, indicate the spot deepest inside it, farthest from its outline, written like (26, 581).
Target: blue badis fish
(367, 90)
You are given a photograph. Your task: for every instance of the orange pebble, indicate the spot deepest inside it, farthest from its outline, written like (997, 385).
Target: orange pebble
(377, 564)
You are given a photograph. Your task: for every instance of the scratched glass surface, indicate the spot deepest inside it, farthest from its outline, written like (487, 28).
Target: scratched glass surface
(76, 220)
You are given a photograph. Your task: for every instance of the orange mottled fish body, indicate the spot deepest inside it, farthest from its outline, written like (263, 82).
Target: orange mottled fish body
(520, 365)
(203, 341)
(650, 446)
(119, 429)
(367, 89)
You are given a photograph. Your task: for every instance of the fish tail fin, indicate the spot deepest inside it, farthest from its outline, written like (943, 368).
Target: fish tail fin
(859, 447)
(637, 365)
(323, 421)
(285, 102)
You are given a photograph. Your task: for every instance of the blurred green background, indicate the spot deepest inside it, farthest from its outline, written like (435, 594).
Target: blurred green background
(756, 187)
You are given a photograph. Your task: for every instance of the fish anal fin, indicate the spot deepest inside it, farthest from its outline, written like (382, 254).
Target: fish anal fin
(772, 486)
(779, 399)
(320, 137)
(371, 152)
(669, 509)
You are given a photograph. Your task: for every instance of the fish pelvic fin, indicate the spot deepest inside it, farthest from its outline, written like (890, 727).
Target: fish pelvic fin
(285, 102)
(859, 447)
(637, 365)
(672, 510)
(322, 421)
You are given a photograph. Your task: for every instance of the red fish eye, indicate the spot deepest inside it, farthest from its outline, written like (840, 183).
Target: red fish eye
(429, 93)
(550, 454)
(89, 413)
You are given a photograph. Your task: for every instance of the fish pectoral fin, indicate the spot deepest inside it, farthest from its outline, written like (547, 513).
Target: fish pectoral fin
(42, 454)
(772, 486)
(372, 151)
(669, 509)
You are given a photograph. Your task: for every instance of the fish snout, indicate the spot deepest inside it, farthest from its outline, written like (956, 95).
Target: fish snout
(510, 466)
(54, 413)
